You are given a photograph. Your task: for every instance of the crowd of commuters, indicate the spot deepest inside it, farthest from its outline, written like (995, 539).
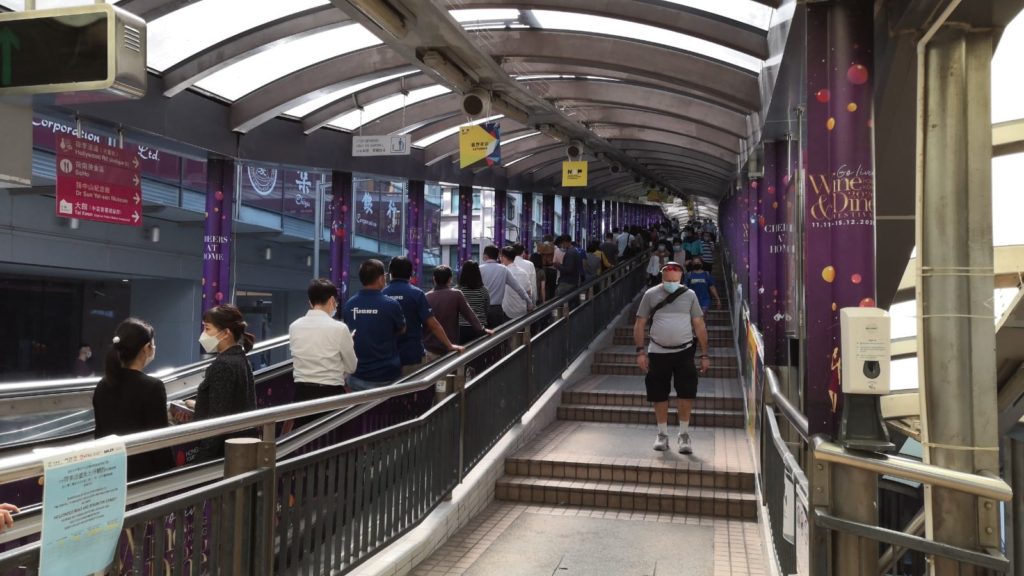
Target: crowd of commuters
(391, 327)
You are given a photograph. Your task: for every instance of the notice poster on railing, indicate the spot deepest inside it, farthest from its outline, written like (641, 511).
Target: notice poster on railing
(84, 489)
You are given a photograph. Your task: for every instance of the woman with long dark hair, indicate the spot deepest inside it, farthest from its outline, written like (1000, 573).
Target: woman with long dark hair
(228, 386)
(471, 284)
(127, 401)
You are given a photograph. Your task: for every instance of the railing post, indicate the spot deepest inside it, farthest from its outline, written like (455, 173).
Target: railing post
(266, 502)
(240, 456)
(531, 383)
(819, 478)
(460, 389)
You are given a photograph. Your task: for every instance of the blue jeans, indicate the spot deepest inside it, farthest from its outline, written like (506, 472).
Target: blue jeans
(359, 385)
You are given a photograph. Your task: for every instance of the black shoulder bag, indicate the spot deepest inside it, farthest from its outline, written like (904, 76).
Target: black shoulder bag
(670, 299)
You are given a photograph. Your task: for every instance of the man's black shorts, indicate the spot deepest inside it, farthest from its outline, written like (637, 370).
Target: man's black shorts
(665, 369)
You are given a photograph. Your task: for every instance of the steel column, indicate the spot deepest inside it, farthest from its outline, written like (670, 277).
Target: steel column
(956, 336)
(341, 230)
(500, 204)
(526, 225)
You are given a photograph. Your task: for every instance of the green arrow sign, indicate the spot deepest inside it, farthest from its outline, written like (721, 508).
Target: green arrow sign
(8, 43)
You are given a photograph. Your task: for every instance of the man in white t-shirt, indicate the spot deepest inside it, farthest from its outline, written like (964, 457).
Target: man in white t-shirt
(513, 304)
(322, 347)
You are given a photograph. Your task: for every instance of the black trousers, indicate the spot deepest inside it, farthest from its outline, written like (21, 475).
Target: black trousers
(308, 391)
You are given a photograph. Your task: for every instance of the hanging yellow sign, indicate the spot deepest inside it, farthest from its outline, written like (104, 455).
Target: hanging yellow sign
(477, 143)
(574, 174)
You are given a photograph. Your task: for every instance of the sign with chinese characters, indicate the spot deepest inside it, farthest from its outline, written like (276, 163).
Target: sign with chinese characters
(84, 489)
(387, 145)
(301, 190)
(574, 174)
(480, 142)
(98, 182)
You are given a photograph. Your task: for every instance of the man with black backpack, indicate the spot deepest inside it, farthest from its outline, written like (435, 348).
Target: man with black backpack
(677, 327)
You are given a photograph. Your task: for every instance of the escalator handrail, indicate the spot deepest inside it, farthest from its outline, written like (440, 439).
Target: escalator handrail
(78, 385)
(24, 466)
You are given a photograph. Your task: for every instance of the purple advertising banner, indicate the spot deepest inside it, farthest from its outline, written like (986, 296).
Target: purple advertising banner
(838, 212)
(500, 208)
(392, 201)
(300, 192)
(341, 230)
(414, 229)
(580, 215)
(220, 188)
(772, 242)
(526, 225)
(262, 187)
(754, 220)
(465, 223)
(547, 214)
(567, 215)
(594, 218)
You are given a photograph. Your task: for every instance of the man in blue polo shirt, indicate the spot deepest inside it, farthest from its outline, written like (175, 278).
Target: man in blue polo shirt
(376, 322)
(418, 316)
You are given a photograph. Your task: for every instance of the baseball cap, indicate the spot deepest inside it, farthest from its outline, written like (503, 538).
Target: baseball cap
(672, 265)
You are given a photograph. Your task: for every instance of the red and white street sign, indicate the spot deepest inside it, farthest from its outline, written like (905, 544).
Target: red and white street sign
(98, 182)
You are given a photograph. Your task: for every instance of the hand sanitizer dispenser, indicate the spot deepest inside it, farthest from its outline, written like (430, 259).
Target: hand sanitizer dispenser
(865, 360)
(865, 350)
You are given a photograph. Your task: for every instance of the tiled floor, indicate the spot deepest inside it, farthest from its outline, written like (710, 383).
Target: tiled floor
(736, 544)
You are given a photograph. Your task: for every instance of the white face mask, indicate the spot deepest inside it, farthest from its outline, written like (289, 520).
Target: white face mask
(208, 342)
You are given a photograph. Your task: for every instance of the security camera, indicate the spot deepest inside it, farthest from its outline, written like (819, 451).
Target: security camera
(616, 167)
(475, 102)
(574, 149)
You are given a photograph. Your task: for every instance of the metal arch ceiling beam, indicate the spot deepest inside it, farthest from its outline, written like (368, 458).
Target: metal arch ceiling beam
(521, 67)
(418, 115)
(644, 118)
(722, 81)
(321, 117)
(695, 144)
(709, 184)
(150, 10)
(423, 32)
(312, 82)
(638, 148)
(253, 41)
(652, 135)
(677, 18)
(642, 97)
(694, 165)
(537, 161)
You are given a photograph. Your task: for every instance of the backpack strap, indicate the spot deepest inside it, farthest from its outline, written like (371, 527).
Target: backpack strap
(670, 299)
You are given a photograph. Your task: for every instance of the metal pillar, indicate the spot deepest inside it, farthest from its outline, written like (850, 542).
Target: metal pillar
(500, 207)
(956, 336)
(526, 224)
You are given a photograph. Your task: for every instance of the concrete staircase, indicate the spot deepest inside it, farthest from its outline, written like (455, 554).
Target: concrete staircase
(598, 453)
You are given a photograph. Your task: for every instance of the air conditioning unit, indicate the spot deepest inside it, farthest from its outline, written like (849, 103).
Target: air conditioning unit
(574, 150)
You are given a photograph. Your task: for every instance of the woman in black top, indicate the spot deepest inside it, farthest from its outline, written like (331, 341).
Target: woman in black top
(228, 386)
(127, 401)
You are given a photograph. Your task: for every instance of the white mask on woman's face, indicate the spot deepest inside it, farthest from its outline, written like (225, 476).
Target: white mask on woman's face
(209, 342)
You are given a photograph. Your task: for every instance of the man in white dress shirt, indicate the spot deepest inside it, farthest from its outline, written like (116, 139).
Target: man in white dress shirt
(322, 347)
(513, 304)
(531, 271)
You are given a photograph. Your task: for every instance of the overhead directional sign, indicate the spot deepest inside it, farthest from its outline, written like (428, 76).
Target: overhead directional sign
(98, 182)
(480, 142)
(94, 47)
(387, 145)
(574, 174)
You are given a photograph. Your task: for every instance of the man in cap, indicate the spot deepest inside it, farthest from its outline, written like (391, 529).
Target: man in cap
(677, 328)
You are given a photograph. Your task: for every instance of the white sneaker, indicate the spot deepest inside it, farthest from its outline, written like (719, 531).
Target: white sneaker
(661, 443)
(684, 444)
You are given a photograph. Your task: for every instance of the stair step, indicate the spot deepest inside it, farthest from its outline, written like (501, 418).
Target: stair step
(695, 475)
(699, 417)
(676, 499)
(631, 369)
(639, 399)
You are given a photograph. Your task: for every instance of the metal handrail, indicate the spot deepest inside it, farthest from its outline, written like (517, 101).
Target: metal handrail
(792, 414)
(31, 465)
(984, 486)
(73, 385)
